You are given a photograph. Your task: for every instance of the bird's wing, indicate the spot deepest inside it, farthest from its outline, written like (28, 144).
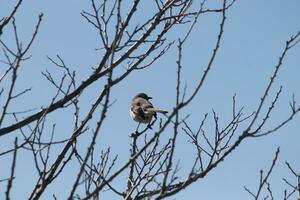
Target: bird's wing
(149, 109)
(146, 106)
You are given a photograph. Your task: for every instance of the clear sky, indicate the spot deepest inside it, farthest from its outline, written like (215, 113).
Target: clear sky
(255, 35)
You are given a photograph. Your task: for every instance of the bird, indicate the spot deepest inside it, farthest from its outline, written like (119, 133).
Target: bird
(142, 110)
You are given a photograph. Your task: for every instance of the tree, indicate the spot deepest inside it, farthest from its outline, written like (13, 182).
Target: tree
(127, 43)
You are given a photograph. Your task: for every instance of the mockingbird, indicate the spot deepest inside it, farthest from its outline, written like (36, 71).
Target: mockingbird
(142, 110)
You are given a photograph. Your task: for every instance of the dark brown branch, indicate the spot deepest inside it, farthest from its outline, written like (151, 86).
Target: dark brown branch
(93, 141)
(6, 20)
(264, 179)
(288, 45)
(12, 171)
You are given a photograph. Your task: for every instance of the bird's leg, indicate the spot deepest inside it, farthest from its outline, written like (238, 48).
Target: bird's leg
(149, 126)
(151, 123)
(137, 128)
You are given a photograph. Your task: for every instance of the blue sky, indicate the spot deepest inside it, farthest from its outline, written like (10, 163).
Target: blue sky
(255, 35)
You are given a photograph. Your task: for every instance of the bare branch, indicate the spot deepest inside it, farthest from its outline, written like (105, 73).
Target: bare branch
(6, 20)
(12, 171)
(264, 179)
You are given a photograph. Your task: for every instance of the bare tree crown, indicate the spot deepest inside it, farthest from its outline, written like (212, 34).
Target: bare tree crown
(128, 43)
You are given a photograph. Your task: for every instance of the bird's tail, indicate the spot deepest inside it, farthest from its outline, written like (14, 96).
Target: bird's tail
(158, 110)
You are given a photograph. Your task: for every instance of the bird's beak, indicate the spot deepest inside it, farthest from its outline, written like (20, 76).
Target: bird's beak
(149, 97)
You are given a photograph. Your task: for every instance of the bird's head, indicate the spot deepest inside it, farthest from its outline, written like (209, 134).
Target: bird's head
(143, 95)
